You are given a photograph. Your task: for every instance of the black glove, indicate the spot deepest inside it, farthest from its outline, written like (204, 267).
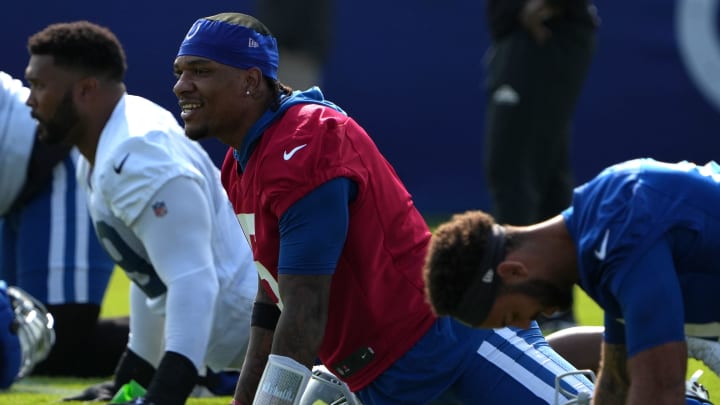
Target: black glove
(130, 366)
(103, 391)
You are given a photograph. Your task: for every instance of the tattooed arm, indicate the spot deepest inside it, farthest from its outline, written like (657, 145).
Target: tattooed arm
(298, 334)
(613, 381)
(301, 327)
(653, 376)
(256, 357)
(657, 375)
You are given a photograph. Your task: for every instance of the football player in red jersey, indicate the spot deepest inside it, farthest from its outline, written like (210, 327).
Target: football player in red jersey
(338, 243)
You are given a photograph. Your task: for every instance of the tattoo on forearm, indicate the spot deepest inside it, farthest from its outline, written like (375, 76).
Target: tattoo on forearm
(254, 365)
(613, 381)
(302, 325)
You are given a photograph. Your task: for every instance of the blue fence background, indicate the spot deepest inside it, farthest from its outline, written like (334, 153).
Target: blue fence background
(412, 73)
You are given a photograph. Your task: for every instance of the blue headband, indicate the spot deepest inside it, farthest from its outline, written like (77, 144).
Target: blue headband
(232, 45)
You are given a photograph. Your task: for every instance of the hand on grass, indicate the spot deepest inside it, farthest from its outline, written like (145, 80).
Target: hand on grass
(103, 391)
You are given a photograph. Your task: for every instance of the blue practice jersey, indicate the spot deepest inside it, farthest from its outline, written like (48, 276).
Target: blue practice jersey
(648, 237)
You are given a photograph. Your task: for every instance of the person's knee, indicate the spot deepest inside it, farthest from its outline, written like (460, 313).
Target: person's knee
(580, 345)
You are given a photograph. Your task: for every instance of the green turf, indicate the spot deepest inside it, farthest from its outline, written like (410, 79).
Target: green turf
(37, 390)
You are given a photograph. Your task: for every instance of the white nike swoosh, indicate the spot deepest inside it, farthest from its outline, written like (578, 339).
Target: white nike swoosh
(600, 253)
(287, 155)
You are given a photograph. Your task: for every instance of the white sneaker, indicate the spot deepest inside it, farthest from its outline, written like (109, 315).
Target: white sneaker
(695, 390)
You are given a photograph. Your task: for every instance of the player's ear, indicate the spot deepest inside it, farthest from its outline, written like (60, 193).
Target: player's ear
(86, 87)
(253, 80)
(512, 271)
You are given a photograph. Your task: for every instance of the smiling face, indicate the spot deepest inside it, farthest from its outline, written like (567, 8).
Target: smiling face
(213, 98)
(51, 100)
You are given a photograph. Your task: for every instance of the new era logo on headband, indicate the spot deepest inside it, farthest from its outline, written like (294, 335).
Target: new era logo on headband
(488, 277)
(193, 30)
(218, 40)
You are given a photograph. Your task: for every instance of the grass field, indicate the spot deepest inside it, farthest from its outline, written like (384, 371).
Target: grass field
(39, 391)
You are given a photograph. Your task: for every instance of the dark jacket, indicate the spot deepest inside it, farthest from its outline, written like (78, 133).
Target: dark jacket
(504, 15)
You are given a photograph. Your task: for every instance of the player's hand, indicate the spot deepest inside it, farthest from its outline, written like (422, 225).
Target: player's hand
(533, 16)
(103, 391)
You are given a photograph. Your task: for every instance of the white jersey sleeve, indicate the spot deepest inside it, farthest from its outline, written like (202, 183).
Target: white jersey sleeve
(176, 241)
(160, 210)
(17, 134)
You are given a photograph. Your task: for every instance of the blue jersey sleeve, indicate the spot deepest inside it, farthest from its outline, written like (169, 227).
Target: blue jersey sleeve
(614, 330)
(313, 230)
(651, 301)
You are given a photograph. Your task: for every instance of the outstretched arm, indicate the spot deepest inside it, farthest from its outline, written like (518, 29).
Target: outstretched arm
(312, 236)
(652, 316)
(613, 382)
(658, 375)
(261, 339)
(302, 323)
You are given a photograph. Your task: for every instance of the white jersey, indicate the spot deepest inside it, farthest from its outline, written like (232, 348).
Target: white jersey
(17, 134)
(141, 153)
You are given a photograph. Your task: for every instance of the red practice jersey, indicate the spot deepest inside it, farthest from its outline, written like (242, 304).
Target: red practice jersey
(377, 304)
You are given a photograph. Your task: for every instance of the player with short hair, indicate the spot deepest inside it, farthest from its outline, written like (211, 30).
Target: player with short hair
(158, 206)
(47, 246)
(641, 239)
(337, 240)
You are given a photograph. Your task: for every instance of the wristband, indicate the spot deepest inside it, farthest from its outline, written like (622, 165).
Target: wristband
(265, 315)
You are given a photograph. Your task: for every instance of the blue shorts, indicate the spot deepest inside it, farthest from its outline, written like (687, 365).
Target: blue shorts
(49, 248)
(475, 366)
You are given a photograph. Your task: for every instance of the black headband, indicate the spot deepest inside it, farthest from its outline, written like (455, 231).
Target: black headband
(480, 295)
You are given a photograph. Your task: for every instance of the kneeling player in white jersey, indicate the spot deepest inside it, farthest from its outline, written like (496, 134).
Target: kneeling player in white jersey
(47, 246)
(158, 208)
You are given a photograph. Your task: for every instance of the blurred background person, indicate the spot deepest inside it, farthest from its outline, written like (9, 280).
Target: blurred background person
(540, 55)
(304, 32)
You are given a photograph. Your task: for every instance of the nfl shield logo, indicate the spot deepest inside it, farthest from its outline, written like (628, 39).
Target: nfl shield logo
(159, 208)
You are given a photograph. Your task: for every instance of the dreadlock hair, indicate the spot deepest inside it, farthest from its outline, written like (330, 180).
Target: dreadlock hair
(83, 46)
(279, 90)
